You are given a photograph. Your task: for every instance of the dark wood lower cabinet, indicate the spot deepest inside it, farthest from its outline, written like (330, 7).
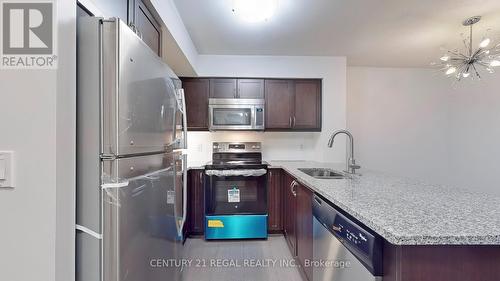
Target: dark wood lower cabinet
(298, 222)
(289, 214)
(441, 263)
(196, 203)
(304, 228)
(274, 201)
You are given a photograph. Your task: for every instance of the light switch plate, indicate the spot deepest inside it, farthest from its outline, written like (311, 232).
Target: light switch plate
(7, 176)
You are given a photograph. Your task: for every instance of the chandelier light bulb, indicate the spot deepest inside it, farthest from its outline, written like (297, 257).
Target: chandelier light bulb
(466, 74)
(485, 43)
(495, 63)
(451, 70)
(445, 58)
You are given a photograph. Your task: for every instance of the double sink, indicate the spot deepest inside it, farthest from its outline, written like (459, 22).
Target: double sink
(322, 173)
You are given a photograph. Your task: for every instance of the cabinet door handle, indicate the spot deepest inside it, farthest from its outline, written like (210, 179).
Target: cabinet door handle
(293, 121)
(290, 121)
(292, 186)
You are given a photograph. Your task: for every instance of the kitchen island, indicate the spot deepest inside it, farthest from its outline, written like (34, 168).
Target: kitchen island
(431, 232)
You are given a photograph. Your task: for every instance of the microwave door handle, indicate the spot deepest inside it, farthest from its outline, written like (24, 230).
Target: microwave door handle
(254, 115)
(210, 117)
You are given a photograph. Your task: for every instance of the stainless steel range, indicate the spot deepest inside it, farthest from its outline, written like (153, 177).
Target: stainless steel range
(236, 192)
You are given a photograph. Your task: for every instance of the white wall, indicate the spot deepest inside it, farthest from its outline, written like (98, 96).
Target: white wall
(179, 50)
(276, 145)
(66, 143)
(474, 140)
(37, 122)
(417, 123)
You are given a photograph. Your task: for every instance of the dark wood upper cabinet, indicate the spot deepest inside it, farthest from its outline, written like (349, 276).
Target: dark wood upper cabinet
(293, 105)
(289, 213)
(114, 8)
(223, 88)
(196, 92)
(304, 228)
(279, 104)
(148, 27)
(274, 200)
(307, 104)
(196, 202)
(250, 89)
(137, 15)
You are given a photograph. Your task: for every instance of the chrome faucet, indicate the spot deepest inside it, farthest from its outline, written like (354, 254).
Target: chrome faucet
(351, 163)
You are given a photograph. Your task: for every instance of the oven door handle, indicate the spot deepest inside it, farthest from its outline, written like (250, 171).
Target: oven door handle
(238, 172)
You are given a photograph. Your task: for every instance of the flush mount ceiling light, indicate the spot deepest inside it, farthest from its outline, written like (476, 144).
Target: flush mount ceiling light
(468, 63)
(254, 10)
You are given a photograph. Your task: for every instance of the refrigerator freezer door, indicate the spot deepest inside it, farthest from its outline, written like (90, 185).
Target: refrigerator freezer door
(139, 219)
(138, 94)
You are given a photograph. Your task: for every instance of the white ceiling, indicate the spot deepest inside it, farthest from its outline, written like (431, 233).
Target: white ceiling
(399, 33)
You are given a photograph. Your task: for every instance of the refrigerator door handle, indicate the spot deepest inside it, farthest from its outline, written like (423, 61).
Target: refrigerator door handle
(88, 231)
(184, 119)
(179, 142)
(181, 223)
(182, 108)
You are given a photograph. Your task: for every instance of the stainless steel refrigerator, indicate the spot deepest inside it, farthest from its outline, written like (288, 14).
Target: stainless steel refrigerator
(131, 168)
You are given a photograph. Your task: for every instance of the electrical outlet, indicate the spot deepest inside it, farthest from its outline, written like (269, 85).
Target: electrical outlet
(301, 146)
(7, 176)
(200, 147)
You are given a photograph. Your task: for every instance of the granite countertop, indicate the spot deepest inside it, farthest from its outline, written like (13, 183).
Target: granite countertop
(407, 212)
(196, 165)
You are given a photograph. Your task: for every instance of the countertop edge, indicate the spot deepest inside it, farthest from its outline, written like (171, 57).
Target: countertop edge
(393, 238)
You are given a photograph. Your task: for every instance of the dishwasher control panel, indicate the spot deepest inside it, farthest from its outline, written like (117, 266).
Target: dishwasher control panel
(361, 241)
(352, 234)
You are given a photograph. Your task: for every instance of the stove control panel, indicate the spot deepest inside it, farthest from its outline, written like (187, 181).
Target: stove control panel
(236, 147)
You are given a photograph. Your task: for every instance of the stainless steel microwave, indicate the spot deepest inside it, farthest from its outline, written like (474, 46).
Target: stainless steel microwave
(236, 114)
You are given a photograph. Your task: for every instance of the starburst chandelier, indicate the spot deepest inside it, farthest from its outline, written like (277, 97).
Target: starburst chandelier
(472, 61)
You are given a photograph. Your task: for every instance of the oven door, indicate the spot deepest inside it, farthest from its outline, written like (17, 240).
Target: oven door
(232, 117)
(236, 195)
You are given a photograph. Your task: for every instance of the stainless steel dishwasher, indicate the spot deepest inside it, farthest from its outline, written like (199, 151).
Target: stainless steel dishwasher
(343, 249)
